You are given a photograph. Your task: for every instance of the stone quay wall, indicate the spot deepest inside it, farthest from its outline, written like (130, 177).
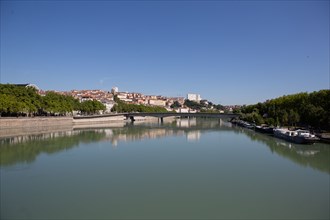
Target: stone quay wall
(98, 120)
(34, 122)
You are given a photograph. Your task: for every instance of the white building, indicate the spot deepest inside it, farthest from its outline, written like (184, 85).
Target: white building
(157, 102)
(114, 90)
(194, 97)
(28, 85)
(108, 105)
(122, 96)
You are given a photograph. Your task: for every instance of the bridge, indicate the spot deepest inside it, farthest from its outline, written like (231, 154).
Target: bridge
(161, 115)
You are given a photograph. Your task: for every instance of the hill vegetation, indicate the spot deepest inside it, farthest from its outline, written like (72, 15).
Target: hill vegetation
(303, 109)
(25, 101)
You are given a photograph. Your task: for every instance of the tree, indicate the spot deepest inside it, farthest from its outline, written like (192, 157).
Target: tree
(192, 104)
(176, 104)
(91, 107)
(219, 107)
(293, 117)
(18, 100)
(284, 117)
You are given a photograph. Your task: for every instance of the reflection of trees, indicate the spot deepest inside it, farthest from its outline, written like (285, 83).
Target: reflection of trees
(316, 156)
(25, 149)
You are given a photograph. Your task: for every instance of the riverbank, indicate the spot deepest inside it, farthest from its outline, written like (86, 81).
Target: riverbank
(28, 122)
(10, 127)
(25, 125)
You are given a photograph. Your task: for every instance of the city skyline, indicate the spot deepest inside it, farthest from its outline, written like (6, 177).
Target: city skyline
(239, 52)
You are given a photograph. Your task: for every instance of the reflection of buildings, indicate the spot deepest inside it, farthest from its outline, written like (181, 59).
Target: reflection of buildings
(307, 153)
(114, 135)
(193, 135)
(125, 135)
(186, 122)
(25, 148)
(122, 132)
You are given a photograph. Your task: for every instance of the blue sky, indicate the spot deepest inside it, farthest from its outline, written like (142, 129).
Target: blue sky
(230, 52)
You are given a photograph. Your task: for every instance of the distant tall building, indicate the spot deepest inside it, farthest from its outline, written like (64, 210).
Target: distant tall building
(28, 85)
(114, 90)
(194, 97)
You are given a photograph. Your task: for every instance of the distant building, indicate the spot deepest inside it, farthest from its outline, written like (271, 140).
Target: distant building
(194, 97)
(182, 110)
(86, 98)
(108, 105)
(124, 96)
(157, 102)
(28, 85)
(114, 90)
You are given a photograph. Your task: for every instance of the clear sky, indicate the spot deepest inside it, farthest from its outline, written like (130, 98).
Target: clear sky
(230, 52)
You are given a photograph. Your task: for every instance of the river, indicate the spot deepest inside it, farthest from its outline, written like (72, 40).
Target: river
(180, 169)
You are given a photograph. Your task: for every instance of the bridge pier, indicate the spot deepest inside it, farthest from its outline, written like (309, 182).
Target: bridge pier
(161, 120)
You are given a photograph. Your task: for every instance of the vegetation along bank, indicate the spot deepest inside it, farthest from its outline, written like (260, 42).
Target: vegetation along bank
(310, 110)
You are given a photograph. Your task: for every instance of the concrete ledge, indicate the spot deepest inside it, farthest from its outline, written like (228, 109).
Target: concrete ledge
(34, 122)
(93, 120)
(26, 126)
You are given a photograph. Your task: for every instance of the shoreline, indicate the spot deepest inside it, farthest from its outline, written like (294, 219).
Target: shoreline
(10, 127)
(29, 122)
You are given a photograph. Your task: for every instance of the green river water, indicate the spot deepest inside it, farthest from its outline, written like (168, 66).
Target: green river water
(181, 169)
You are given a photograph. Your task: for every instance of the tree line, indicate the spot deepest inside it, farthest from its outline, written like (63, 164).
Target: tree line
(301, 109)
(25, 101)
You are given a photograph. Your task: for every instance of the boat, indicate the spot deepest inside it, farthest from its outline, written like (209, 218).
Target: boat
(242, 123)
(324, 137)
(264, 129)
(297, 136)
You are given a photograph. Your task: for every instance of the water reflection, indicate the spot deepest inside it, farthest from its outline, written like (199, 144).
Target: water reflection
(26, 148)
(316, 156)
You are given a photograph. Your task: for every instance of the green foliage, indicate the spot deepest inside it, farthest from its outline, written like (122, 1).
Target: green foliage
(15, 100)
(294, 117)
(305, 109)
(176, 105)
(124, 107)
(20, 100)
(203, 106)
(56, 103)
(91, 107)
(193, 105)
(254, 117)
(219, 107)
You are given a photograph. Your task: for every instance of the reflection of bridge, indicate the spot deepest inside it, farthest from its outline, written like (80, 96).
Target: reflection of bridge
(161, 115)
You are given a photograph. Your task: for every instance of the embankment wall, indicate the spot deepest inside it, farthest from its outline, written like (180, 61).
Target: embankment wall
(34, 122)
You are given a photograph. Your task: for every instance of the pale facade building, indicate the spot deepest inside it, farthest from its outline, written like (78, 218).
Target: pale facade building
(157, 102)
(114, 90)
(108, 105)
(194, 97)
